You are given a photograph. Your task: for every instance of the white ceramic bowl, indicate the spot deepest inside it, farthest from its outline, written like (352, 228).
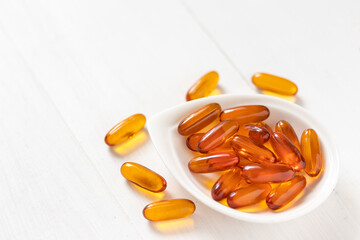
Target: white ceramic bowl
(172, 149)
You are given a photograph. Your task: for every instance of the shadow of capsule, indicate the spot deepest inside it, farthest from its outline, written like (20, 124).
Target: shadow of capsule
(286, 97)
(173, 226)
(217, 91)
(134, 142)
(148, 194)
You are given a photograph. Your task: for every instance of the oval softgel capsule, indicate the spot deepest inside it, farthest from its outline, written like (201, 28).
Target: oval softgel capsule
(125, 129)
(169, 209)
(143, 177)
(274, 84)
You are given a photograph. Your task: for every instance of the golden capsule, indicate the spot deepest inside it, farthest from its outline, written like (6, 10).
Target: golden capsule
(216, 136)
(275, 84)
(285, 192)
(286, 151)
(246, 148)
(204, 86)
(311, 151)
(246, 114)
(285, 128)
(213, 162)
(192, 141)
(169, 209)
(258, 134)
(249, 195)
(125, 129)
(143, 177)
(226, 184)
(274, 173)
(199, 119)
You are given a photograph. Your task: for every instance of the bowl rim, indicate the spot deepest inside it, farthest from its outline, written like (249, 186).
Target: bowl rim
(155, 125)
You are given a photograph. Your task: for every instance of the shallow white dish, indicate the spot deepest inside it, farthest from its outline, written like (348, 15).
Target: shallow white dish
(173, 151)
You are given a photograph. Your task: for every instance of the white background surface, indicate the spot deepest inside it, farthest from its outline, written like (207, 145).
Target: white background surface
(70, 70)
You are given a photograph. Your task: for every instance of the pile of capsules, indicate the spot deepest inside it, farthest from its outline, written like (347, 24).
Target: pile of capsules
(261, 164)
(233, 145)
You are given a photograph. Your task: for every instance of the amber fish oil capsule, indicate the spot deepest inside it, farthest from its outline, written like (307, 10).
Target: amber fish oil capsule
(274, 84)
(246, 148)
(286, 151)
(216, 136)
(261, 173)
(249, 195)
(125, 129)
(192, 141)
(213, 162)
(285, 128)
(143, 177)
(199, 119)
(246, 114)
(285, 192)
(169, 209)
(226, 184)
(204, 86)
(311, 151)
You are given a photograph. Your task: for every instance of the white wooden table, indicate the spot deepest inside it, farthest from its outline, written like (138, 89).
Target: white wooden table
(71, 69)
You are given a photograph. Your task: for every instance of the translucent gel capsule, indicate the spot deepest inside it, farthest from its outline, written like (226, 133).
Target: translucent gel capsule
(275, 84)
(311, 151)
(275, 173)
(203, 87)
(263, 124)
(286, 151)
(226, 184)
(216, 136)
(125, 129)
(285, 192)
(249, 195)
(246, 148)
(143, 177)
(213, 162)
(192, 141)
(169, 210)
(285, 128)
(199, 119)
(258, 134)
(246, 114)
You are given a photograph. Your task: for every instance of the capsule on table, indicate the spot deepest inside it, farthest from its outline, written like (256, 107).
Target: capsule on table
(216, 136)
(286, 151)
(285, 128)
(199, 119)
(274, 173)
(246, 114)
(213, 162)
(285, 192)
(311, 151)
(203, 87)
(125, 129)
(249, 195)
(169, 209)
(246, 148)
(258, 134)
(274, 83)
(226, 184)
(192, 141)
(143, 177)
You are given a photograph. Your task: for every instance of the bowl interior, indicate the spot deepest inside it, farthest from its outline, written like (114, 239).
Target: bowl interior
(172, 149)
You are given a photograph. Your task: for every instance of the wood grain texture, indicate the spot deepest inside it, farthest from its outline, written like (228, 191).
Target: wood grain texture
(70, 70)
